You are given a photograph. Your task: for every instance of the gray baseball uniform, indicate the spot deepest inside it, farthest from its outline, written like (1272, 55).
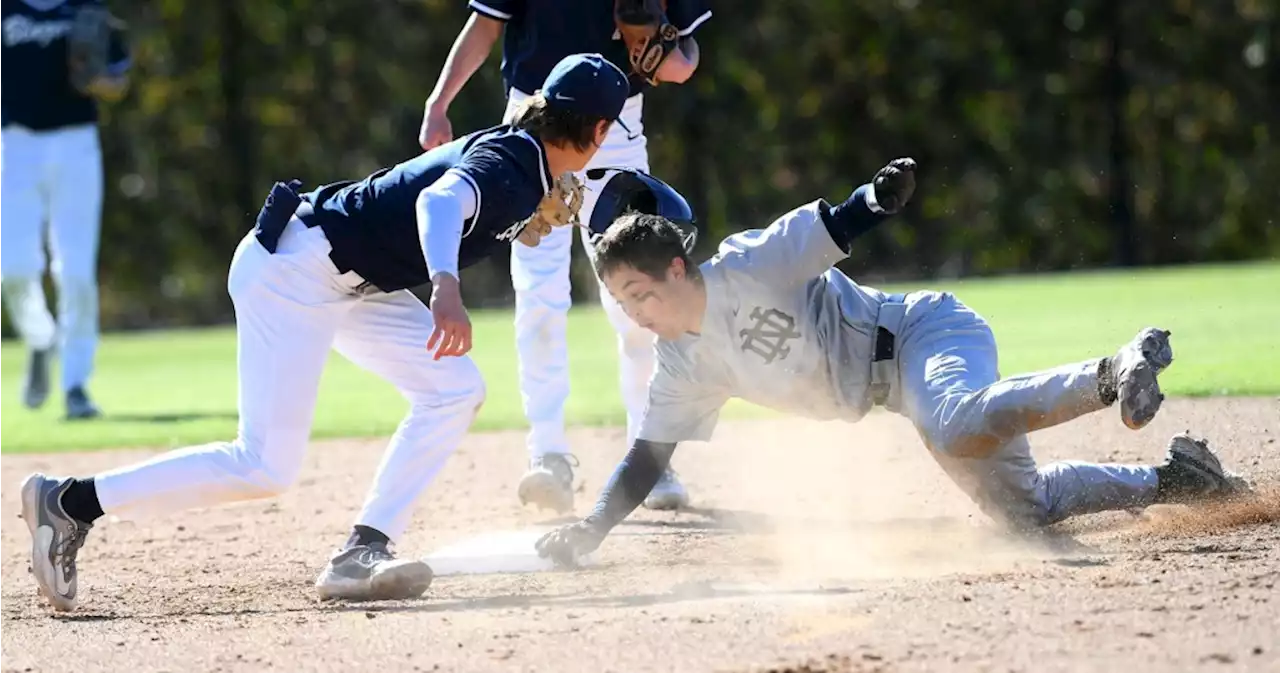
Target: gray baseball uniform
(785, 330)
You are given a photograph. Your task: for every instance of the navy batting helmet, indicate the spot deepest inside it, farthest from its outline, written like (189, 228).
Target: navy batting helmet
(629, 189)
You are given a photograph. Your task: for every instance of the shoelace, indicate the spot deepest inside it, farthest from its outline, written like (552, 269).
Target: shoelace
(70, 546)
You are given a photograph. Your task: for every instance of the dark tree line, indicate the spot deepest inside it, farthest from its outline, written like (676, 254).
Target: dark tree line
(1054, 135)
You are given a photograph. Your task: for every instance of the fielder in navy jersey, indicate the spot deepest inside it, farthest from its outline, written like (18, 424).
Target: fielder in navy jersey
(535, 35)
(52, 177)
(328, 269)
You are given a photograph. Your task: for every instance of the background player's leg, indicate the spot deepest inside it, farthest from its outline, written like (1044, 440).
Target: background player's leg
(22, 260)
(540, 277)
(75, 212)
(387, 335)
(953, 394)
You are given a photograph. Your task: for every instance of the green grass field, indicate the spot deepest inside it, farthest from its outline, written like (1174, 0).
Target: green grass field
(173, 388)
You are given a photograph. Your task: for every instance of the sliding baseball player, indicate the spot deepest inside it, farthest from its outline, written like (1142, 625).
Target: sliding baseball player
(770, 321)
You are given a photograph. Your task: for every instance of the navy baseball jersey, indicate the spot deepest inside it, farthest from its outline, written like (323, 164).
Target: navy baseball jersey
(372, 223)
(541, 32)
(37, 90)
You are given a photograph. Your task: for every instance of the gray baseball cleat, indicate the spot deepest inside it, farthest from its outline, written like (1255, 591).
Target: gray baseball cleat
(55, 539)
(1134, 372)
(35, 389)
(549, 482)
(372, 573)
(668, 493)
(1193, 473)
(79, 406)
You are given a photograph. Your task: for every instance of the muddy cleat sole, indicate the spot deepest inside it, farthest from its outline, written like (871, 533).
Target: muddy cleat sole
(548, 483)
(668, 493)
(372, 573)
(56, 539)
(1136, 369)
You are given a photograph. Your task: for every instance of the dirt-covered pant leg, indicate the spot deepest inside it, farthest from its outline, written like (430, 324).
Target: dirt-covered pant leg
(975, 423)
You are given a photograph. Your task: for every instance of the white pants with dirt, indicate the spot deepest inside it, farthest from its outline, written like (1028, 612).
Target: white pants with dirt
(51, 181)
(291, 308)
(540, 277)
(952, 391)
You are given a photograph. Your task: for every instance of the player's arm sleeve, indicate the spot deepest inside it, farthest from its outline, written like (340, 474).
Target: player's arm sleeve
(688, 15)
(803, 243)
(631, 483)
(443, 209)
(499, 10)
(858, 214)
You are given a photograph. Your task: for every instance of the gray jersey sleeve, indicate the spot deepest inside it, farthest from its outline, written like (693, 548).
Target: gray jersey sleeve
(795, 248)
(679, 409)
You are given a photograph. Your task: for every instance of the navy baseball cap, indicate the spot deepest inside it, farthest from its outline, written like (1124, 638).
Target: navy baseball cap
(588, 84)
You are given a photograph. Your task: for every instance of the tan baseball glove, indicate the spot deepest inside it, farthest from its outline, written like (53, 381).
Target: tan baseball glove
(89, 44)
(559, 208)
(649, 36)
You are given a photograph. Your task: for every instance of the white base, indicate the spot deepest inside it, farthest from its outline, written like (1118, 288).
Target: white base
(509, 551)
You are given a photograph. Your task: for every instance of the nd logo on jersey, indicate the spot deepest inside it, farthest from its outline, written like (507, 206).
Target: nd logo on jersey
(769, 335)
(22, 29)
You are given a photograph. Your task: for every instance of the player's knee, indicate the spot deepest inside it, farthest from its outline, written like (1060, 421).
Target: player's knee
(960, 429)
(267, 470)
(1022, 507)
(462, 388)
(78, 304)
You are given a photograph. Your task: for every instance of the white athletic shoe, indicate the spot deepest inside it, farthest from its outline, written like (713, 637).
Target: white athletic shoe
(371, 573)
(1134, 372)
(668, 493)
(55, 539)
(549, 482)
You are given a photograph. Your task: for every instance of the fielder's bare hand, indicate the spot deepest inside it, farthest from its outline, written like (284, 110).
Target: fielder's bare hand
(895, 184)
(566, 544)
(436, 129)
(453, 326)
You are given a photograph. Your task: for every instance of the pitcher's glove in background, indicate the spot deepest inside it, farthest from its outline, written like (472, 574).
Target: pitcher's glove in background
(895, 184)
(567, 544)
(88, 45)
(648, 35)
(559, 208)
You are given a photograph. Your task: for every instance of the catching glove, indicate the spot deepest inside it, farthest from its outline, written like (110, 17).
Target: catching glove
(649, 37)
(895, 184)
(558, 208)
(566, 544)
(89, 44)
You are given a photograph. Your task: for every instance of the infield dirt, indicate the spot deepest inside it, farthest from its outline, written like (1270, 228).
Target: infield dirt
(809, 547)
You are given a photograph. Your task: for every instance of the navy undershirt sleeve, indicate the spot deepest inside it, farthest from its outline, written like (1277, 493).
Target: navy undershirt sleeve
(851, 219)
(631, 482)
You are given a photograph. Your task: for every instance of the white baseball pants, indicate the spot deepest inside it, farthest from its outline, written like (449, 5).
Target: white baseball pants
(53, 179)
(953, 393)
(540, 277)
(291, 308)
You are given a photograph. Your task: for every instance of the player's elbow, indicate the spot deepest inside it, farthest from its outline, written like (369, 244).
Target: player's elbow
(681, 64)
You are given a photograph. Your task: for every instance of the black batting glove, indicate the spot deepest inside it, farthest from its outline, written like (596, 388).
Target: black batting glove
(566, 544)
(895, 184)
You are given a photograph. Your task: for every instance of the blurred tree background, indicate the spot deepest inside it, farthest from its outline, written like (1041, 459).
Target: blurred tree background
(1055, 135)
